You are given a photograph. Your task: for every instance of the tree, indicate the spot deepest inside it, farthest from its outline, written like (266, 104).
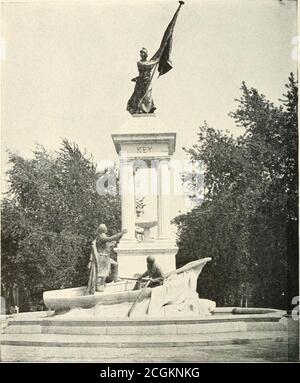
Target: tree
(250, 204)
(49, 218)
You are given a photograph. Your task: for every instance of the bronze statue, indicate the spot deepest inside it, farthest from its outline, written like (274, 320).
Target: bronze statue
(141, 100)
(100, 262)
(154, 272)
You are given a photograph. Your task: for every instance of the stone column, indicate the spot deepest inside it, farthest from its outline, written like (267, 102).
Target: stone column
(163, 199)
(127, 198)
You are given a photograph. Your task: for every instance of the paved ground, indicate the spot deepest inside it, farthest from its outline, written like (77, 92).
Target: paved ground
(260, 351)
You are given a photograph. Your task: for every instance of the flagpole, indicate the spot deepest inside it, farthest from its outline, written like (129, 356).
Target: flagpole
(141, 100)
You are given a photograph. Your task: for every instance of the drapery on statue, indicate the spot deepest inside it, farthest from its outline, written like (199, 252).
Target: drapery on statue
(141, 100)
(100, 262)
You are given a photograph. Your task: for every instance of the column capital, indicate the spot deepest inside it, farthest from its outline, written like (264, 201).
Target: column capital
(126, 161)
(164, 161)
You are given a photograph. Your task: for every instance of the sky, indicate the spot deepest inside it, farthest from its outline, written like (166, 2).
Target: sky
(67, 65)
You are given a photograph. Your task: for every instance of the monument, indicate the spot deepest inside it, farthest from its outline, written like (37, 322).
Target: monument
(109, 315)
(145, 142)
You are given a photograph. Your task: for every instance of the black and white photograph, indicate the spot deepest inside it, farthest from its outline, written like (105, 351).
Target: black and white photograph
(149, 183)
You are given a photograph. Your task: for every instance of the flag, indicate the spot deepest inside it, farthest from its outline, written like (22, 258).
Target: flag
(164, 51)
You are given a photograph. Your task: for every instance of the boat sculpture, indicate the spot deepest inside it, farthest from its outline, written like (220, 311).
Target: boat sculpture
(176, 294)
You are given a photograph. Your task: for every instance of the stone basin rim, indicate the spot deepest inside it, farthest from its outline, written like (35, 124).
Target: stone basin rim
(52, 320)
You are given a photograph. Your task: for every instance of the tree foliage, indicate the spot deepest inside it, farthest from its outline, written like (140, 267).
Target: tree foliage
(248, 220)
(49, 218)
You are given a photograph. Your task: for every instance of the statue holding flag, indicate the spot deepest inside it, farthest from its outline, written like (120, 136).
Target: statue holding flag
(141, 100)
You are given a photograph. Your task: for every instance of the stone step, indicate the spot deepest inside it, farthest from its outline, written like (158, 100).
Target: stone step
(266, 326)
(147, 321)
(128, 341)
(263, 350)
(162, 329)
(120, 327)
(20, 329)
(3, 325)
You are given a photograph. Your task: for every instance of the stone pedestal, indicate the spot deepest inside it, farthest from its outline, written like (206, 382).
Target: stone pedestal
(144, 142)
(132, 257)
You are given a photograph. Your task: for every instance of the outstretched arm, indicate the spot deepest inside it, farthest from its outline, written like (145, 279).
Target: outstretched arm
(115, 237)
(151, 62)
(144, 275)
